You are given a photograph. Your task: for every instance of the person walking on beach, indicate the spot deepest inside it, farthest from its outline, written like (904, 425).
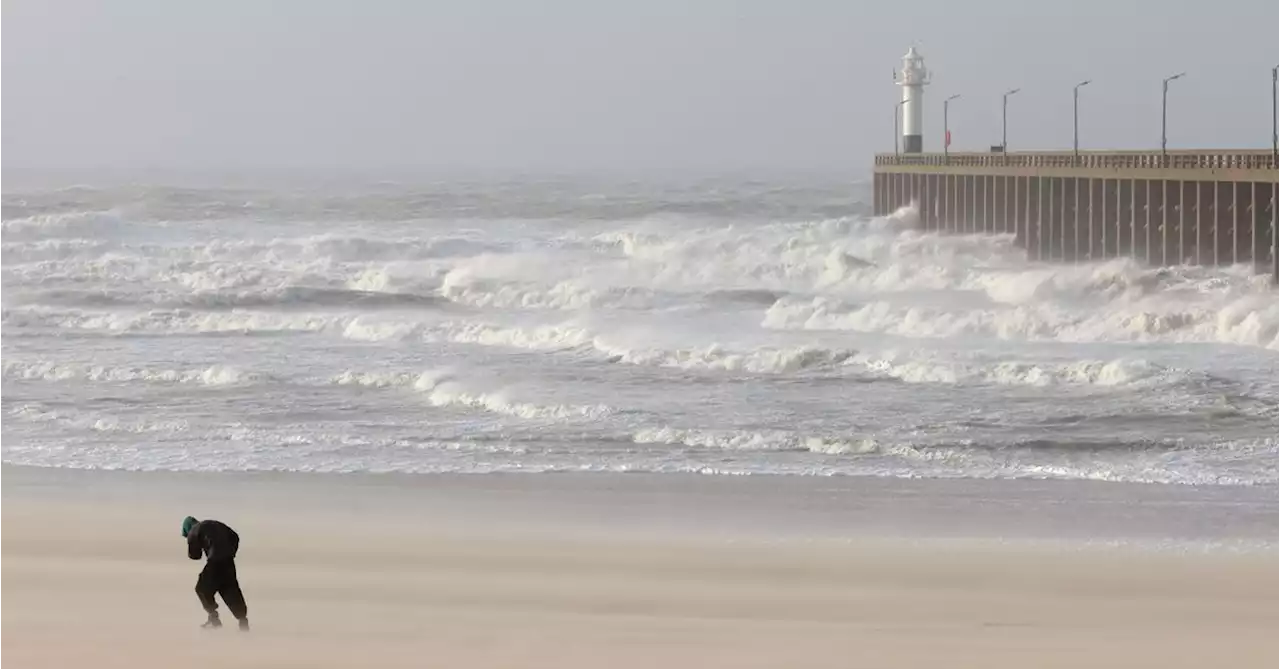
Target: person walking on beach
(218, 543)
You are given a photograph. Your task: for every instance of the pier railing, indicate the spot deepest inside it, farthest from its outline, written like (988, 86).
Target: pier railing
(1262, 159)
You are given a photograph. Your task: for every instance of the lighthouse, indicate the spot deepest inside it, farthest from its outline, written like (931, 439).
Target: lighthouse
(912, 78)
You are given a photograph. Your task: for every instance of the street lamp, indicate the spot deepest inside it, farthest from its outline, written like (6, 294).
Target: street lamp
(1164, 116)
(1275, 120)
(1075, 120)
(1004, 121)
(897, 110)
(946, 128)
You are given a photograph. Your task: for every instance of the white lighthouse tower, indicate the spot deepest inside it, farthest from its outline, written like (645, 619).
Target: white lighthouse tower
(912, 78)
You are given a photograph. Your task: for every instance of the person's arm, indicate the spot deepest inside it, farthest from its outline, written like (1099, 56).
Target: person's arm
(194, 544)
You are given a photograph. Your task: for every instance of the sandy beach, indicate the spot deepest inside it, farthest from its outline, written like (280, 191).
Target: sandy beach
(353, 572)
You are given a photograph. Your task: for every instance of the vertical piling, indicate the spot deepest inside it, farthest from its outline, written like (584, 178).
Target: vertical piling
(1040, 189)
(1019, 233)
(1093, 253)
(1132, 220)
(1124, 217)
(1073, 205)
(1224, 228)
(1242, 221)
(1186, 228)
(1149, 225)
(1033, 219)
(1107, 218)
(973, 205)
(1141, 244)
(988, 219)
(1009, 184)
(984, 204)
(953, 204)
(1204, 229)
(1260, 239)
(1274, 246)
(1065, 220)
(1164, 221)
(997, 204)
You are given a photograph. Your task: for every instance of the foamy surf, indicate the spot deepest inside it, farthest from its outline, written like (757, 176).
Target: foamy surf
(756, 329)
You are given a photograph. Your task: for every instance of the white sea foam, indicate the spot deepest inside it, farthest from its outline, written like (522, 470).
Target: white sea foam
(1249, 320)
(840, 344)
(768, 360)
(1121, 372)
(216, 375)
(538, 337)
(96, 421)
(737, 440)
(76, 224)
(442, 390)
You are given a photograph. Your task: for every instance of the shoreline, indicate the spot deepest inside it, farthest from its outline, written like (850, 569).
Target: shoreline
(1050, 512)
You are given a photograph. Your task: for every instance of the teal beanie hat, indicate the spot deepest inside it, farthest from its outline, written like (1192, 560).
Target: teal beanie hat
(187, 524)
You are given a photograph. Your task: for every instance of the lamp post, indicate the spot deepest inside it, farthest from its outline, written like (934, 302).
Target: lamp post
(1004, 121)
(1075, 120)
(946, 129)
(1275, 120)
(1164, 116)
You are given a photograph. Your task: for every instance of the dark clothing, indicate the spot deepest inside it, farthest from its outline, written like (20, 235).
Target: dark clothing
(219, 543)
(219, 577)
(212, 539)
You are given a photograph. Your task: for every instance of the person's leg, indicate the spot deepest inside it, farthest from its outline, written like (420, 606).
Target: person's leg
(229, 588)
(206, 586)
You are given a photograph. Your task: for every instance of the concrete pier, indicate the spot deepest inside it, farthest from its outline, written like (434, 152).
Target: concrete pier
(1185, 207)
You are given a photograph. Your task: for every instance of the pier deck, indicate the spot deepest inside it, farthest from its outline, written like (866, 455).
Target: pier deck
(1184, 207)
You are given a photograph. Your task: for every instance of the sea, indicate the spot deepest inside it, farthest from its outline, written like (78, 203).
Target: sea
(712, 326)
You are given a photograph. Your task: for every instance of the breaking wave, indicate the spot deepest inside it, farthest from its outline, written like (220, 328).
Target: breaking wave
(285, 297)
(216, 375)
(647, 329)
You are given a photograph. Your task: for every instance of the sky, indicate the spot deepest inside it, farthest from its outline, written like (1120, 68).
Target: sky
(568, 85)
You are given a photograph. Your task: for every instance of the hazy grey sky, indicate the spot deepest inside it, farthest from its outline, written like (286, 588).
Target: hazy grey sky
(635, 85)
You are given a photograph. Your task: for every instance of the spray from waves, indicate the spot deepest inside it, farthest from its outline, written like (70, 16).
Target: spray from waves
(539, 338)
(775, 266)
(443, 389)
(714, 452)
(95, 421)
(1248, 462)
(170, 322)
(352, 377)
(216, 375)
(281, 297)
(370, 246)
(736, 440)
(840, 255)
(1121, 372)
(571, 294)
(569, 337)
(768, 360)
(910, 367)
(75, 224)
(1249, 320)
(638, 269)
(44, 250)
